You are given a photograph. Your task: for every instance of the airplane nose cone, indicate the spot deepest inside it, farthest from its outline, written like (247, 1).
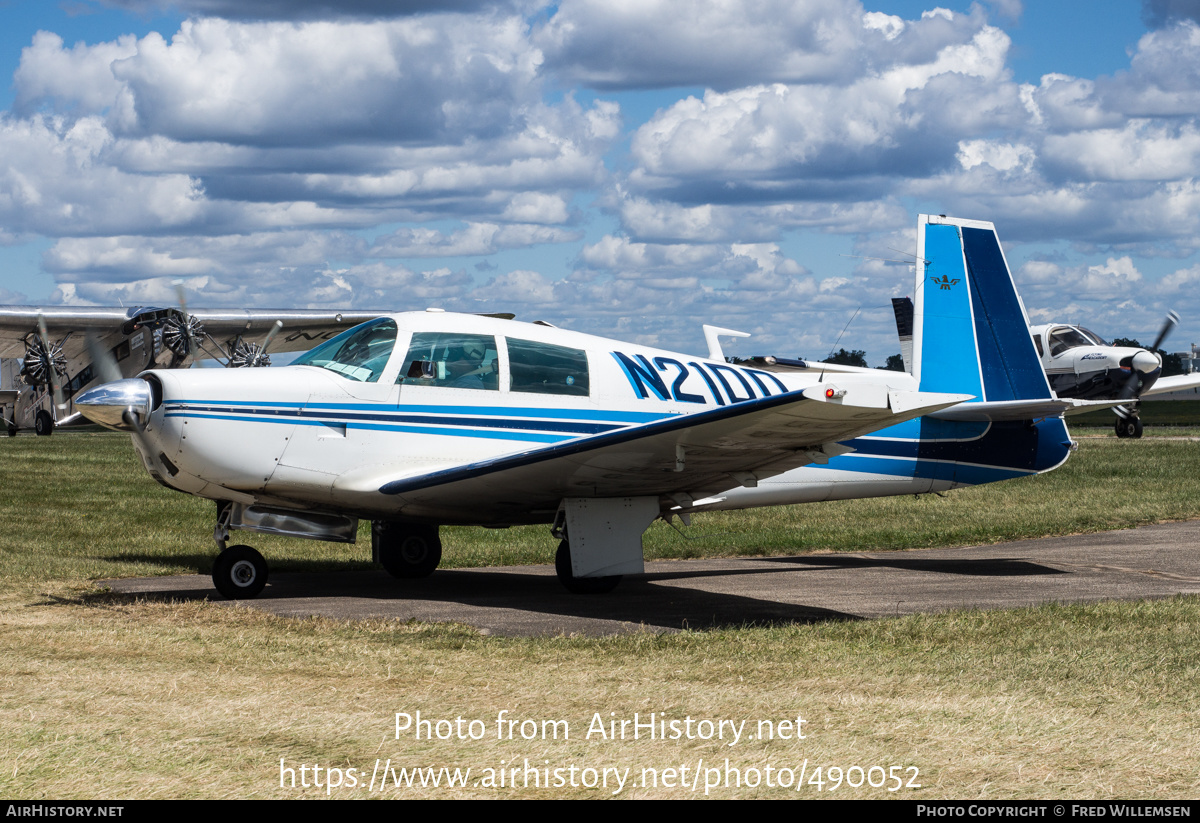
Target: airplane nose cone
(110, 403)
(1146, 362)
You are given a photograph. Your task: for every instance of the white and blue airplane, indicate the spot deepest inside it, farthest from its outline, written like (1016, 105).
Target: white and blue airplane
(423, 419)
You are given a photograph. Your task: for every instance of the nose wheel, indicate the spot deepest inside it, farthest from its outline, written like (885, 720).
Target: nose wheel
(239, 573)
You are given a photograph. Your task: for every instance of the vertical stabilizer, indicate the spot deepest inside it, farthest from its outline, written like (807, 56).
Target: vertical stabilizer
(970, 330)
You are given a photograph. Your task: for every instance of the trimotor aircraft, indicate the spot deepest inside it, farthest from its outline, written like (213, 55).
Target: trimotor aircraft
(58, 345)
(1080, 364)
(424, 419)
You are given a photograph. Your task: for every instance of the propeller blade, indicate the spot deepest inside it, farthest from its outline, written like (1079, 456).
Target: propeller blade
(1129, 387)
(1171, 322)
(102, 359)
(278, 327)
(179, 293)
(51, 370)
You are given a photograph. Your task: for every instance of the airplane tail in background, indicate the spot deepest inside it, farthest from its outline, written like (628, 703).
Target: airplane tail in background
(970, 330)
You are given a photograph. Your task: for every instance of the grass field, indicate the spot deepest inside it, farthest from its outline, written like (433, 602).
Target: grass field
(105, 696)
(1154, 414)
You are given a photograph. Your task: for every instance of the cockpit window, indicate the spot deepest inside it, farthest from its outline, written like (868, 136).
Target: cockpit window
(450, 360)
(358, 354)
(547, 369)
(1066, 337)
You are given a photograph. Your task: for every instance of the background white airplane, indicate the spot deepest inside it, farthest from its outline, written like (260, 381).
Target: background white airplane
(58, 357)
(428, 418)
(1082, 365)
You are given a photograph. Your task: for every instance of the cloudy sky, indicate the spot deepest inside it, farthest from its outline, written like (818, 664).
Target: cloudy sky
(633, 168)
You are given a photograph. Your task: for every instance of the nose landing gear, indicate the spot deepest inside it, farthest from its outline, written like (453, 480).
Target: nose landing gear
(239, 573)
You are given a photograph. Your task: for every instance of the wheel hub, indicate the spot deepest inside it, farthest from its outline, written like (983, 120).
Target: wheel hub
(413, 550)
(243, 573)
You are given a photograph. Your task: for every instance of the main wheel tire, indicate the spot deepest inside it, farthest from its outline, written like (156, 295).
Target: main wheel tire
(239, 573)
(12, 431)
(43, 424)
(1129, 427)
(580, 585)
(410, 551)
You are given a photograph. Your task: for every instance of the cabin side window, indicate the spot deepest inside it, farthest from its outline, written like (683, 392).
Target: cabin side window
(450, 360)
(1037, 341)
(546, 369)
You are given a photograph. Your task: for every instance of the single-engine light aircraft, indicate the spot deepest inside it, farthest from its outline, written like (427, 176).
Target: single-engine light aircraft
(1081, 364)
(58, 346)
(422, 419)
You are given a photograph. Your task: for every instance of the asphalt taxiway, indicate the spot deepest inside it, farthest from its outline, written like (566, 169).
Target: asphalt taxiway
(1148, 562)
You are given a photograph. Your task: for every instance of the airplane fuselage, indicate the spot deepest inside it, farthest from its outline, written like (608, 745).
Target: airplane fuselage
(319, 437)
(1080, 365)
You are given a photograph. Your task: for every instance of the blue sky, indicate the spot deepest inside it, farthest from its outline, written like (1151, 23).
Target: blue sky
(633, 169)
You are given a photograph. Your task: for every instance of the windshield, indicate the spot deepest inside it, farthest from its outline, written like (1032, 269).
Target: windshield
(1066, 337)
(358, 354)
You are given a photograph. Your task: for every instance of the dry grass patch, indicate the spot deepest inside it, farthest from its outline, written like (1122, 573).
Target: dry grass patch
(111, 698)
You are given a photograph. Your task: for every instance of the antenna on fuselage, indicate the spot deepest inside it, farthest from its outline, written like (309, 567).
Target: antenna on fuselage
(712, 334)
(821, 376)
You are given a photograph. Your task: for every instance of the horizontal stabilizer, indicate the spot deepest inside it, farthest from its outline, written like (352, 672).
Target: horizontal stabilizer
(997, 411)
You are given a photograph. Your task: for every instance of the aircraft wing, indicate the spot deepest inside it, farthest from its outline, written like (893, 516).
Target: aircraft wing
(18, 321)
(302, 329)
(1176, 382)
(695, 454)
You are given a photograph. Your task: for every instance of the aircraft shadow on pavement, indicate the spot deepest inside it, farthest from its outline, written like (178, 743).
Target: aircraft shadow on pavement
(508, 601)
(491, 599)
(976, 567)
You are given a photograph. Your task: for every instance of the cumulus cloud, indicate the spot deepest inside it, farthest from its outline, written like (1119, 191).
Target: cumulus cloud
(718, 43)
(1158, 13)
(665, 221)
(770, 140)
(475, 239)
(302, 9)
(442, 78)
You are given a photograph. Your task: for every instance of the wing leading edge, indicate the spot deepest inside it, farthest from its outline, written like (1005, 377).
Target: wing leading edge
(694, 455)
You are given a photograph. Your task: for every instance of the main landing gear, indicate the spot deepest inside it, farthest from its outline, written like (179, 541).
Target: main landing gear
(580, 585)
(406, 550)
(43, 424)
(1129, 426)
